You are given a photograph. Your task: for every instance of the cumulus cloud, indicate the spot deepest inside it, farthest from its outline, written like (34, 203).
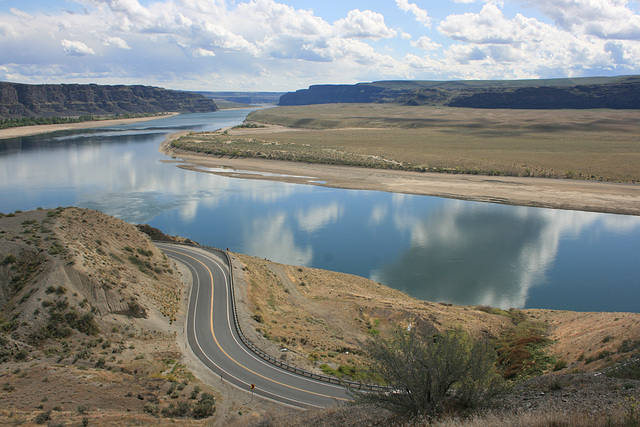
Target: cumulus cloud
(266, 44)
(365, 24)
(488, 26)
(609, 19)
(421, 15)
(203, 53)
(425, 43)
(117, 42)
(522, 47)
(76, 48)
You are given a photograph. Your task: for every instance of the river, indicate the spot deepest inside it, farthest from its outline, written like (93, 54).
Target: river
(432, 248)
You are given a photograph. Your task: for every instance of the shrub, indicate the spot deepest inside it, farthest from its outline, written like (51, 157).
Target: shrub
(422, 372)
(43, 417)
(630, 371)
(203, 410)
(179, 409)
(205, 406)
(9, 259)
(21, 355)
(560, 364)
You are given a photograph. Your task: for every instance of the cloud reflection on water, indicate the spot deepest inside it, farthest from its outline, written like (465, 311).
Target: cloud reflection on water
(480, 253)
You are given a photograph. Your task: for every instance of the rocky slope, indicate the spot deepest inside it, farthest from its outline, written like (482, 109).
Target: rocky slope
(615, 92)
(68, 100)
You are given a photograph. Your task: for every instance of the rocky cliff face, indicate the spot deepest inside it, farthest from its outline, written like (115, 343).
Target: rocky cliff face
(330, 94)
(21, 100)
(616, 92)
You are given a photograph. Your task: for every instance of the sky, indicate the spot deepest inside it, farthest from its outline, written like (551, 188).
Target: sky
(285, 45)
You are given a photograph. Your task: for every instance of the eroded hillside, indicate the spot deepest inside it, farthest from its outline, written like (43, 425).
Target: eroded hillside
(88, 307)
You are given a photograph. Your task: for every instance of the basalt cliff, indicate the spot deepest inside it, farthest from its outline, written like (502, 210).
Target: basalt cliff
(592, 92)
(68, 100)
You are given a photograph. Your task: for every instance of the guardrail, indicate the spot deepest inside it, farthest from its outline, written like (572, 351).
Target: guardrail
(258, 352)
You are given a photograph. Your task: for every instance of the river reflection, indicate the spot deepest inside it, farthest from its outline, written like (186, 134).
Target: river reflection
(503, 250)
(434, 249)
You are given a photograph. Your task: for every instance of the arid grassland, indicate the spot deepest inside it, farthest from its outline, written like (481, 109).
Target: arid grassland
(322, 318)
(582, 144)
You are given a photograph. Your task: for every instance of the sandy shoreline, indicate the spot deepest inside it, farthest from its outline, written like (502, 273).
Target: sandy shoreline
(21, 131)
(569, 194)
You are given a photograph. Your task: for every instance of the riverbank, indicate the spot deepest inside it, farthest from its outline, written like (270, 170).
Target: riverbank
(23, 131)
(592, 196)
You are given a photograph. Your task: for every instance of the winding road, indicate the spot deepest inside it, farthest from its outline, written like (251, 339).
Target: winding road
(212, 335)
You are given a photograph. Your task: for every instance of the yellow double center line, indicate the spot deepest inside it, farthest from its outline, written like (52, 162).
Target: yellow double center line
(231, 358)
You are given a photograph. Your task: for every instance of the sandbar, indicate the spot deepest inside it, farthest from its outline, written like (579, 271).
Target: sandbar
(571, 194)
(21, 131)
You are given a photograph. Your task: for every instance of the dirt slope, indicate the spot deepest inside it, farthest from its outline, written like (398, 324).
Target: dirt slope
(88, 310)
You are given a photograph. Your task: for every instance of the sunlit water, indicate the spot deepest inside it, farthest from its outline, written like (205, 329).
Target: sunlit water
(434, 249)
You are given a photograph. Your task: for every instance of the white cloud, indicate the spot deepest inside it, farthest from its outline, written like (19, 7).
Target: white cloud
(264, 44)
(117, 42)
(20, 14)
(521, 47)
(421, 15)
(488, 26)
(608, 19)
(203, 53)
(76, 48)
(425, 43)
(365, 24)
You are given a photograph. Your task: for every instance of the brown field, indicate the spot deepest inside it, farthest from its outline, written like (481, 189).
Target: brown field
(586, 144)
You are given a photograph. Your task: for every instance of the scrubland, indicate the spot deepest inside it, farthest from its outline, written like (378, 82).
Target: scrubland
(597, 145)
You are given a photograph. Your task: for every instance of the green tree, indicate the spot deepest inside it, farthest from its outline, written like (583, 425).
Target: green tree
(422, 372)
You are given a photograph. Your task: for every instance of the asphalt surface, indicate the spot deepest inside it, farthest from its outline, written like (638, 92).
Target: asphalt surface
(212, 336)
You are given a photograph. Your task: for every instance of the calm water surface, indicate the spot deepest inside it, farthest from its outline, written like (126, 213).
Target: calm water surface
(434, 249)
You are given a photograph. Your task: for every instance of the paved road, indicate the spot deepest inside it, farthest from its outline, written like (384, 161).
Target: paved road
(215, 341)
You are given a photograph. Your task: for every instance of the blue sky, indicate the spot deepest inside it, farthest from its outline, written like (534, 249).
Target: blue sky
(283, 45)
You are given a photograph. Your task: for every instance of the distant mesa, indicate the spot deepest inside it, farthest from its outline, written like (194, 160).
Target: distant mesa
(69, 100)
(588, 92)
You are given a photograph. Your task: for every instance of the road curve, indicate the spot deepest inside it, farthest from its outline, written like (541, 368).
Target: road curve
(212, 336)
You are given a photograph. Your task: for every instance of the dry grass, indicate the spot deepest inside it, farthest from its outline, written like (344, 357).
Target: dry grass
(587, 144)
(537, 419)
(322, 317)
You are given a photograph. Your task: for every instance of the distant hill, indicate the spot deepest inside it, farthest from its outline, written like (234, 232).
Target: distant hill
(68, 100)
(589, 92)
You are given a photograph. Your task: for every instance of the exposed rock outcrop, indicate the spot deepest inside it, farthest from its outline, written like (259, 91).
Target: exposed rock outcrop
(604, 92)
(68, 100)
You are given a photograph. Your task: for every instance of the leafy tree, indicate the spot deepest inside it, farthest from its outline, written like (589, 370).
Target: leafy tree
(423, 372)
